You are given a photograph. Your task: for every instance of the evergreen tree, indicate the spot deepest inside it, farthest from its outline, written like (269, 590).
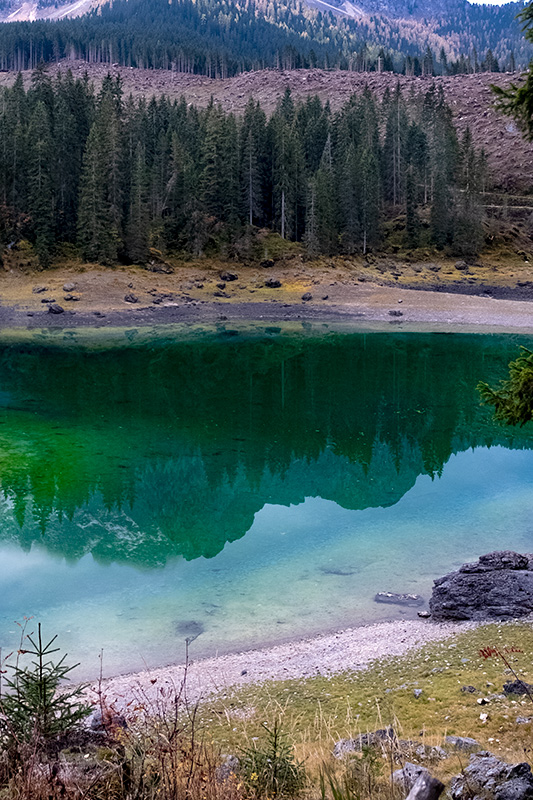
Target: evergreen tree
(40, 165)
(97, 234)
(137, 236)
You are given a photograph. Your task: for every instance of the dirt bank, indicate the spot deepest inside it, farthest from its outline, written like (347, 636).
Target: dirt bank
(423, 295)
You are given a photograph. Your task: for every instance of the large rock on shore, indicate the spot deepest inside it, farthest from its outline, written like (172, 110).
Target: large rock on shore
(498, 586)
(488, 778)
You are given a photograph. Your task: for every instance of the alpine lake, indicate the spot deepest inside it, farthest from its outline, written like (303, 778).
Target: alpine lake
(243, 487)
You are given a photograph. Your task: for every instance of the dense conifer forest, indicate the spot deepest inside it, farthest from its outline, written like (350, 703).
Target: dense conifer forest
(113, 177)
(220, 38)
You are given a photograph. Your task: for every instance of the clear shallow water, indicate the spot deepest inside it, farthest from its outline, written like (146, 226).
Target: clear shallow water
(245, 489)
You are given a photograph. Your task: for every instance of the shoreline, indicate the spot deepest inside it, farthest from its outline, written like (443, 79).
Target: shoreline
(348, 650)
(185, 300)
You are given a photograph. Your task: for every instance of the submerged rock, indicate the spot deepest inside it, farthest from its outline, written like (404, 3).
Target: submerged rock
(498, 586)
(488, 778)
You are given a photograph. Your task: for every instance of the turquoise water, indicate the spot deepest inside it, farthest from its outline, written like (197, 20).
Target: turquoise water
(245, 489)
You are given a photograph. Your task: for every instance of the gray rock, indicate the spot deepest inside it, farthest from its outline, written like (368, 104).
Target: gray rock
(461, 265)
(518, 687)
(54, 308)
(229, 767)
(488, 778)
(422, 752)
(399, 599)
(346, 746)
(498, 586)
(69, 287)
(468, 689)
(39, 289)
(307, 296)
(131, 298)
(426, 788)
(524, 720)
(463, 743)
(229, 276)
(396, 313)
(272, 283)
(106, 719)
(408, 775)
(418, 693)
(424, 614)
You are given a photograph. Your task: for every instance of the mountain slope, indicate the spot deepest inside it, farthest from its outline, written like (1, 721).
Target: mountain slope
(222, 38)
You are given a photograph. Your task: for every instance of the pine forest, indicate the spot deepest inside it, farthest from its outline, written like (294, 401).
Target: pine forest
(114, 177)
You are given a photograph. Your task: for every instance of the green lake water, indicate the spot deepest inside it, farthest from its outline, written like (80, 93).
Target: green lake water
(245, 488)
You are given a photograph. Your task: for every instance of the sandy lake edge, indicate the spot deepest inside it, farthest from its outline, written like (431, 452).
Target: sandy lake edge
(351, 649)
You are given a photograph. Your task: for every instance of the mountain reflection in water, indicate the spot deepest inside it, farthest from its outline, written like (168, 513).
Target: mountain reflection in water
(139, 454)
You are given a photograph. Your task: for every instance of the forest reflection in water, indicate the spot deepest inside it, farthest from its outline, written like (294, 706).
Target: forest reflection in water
(136, 455)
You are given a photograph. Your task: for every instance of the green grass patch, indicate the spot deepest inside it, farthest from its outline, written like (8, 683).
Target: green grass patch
(320, 710)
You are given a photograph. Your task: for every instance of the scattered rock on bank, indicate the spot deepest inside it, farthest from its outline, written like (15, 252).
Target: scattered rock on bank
(346, 746)
(518, 687)
(463, 743)
(488, 778)
(228, 276)
(399, 599)
(54, 308)
(498, 586)
(408, 775)
(131, 298)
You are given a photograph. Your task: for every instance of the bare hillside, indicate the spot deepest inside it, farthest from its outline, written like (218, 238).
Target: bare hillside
(470, 97)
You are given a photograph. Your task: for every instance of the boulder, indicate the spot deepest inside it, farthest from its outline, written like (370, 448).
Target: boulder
(399, 599)
(488, 778)
(426, 788)
(463, 743)
(408, 775)
(228, 768)
(497, 586)
(228, 276)
(272, 283)
(346, 746)
(408, 749)
(307, 296)
(69, 287)
(518, 687)
(54, 308)
(131, 298)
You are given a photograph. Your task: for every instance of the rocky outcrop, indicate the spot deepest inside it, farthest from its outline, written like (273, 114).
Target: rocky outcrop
(488, 778)
(498, 586)
(377, 738)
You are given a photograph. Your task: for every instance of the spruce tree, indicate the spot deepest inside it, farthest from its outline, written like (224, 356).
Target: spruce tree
(137, 233)
(40, 165)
